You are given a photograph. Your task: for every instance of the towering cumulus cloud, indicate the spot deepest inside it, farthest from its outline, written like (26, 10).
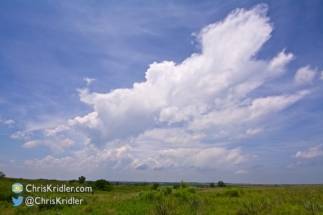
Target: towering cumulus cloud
(186, 115)
(207, 90)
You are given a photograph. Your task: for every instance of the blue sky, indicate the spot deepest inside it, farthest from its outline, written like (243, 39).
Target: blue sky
(162, 90)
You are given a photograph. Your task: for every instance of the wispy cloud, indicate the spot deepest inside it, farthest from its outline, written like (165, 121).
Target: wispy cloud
(88, 80)
(240, 172)
(56, 144)
(310, 153)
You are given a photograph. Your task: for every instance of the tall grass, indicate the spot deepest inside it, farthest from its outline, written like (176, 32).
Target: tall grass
(184, 200)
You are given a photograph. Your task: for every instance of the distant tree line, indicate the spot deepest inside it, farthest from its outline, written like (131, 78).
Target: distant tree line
(100, 184)
(220, 184)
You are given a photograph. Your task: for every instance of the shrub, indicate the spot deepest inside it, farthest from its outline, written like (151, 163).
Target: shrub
(149, 195)
(184, 194)
(212, 185)
(165, 206)
(190, 190)
(166, 190)
(176, 186)
(103, 185)
(194, 202)
(221, 184)
(232, 192)
(72, 181)
(153, 186)
(184, 185)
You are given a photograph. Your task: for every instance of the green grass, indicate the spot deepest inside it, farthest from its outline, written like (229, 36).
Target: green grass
(134, 199)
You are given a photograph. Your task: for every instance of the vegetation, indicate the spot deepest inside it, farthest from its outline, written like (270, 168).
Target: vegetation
(183, 199)
(103, 185)
(82, 179)
(221, 184)
(2, 175)
(154, 186)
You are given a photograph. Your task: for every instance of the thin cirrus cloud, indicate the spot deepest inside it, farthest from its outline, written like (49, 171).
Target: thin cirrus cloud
(57, 144)
(310, 153)
(179, 115)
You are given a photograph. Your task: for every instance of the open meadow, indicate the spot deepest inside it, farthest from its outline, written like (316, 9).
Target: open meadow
(144, 198)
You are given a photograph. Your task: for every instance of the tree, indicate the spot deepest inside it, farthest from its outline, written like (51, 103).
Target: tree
(103, 185)
(221, 184)
(82, 179)
(212, 185)
(184, 185)
(2, 175)
(153, 186)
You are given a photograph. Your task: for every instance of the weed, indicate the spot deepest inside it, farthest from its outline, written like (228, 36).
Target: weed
(253, 207)
(165, 206)
(231, 192)
(313, 207)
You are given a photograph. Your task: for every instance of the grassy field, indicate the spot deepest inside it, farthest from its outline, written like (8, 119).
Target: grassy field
(143, 199)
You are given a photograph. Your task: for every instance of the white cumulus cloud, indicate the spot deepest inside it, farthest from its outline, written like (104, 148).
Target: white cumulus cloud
(175, 118)
(304, 75)
(205, 90)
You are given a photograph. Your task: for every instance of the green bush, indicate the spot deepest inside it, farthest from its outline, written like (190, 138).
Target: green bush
(190, 190)
(195, 202)
(184, 185)
(231, 192)
(221, 184)
(149, 195)
(184, 194)
(166, 190)
(103, 185)
(164, 206)
(176, 186)
(153, 186)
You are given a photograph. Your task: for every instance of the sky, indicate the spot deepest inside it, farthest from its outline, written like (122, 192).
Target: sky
(199, 91)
